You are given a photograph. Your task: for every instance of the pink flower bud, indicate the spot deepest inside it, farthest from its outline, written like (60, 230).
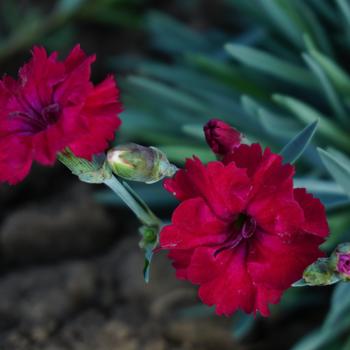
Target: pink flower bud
(221, 137)
(343, 266)
(340, 260)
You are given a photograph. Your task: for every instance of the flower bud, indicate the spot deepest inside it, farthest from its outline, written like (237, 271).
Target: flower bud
(341, 260)
(148, 243)
(149, 236)
(138, 163)
(221, 137)
(319, 273)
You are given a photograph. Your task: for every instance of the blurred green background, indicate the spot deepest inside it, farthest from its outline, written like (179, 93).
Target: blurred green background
(268, 67)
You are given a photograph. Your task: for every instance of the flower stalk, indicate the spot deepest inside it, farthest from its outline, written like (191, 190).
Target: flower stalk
(141, 210)
(100, 171)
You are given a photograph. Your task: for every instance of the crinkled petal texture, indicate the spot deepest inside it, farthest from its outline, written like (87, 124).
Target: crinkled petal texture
(51, 106)
(240, 271)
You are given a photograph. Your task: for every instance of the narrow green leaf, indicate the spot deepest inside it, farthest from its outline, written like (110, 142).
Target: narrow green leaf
(159, 90)
(339, 171)
(336, 324)
(314, 27)
(272, 65)
(328, 89)
(339, 223)
(325, 9)
(179, 154)
(341, 156)
(259, 120)
(147, 263)
(250, 9)
(344, 7)
(243, 325)
(304, 21)
(69, 6)
(183, 38)
(336, 74)
(282, 20)
(226, 74)
(250, 106)
(319, 186)
(340, 305)
(194, 130)
(295, 147)
(318, 339)
(184, 77)
(278, 125)
(346, 346)
(307, 115)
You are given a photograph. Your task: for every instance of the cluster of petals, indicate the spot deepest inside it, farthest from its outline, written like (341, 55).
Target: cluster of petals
(241, 232)
(51, 106)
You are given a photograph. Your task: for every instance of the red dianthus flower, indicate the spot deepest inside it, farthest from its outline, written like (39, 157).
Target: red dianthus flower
(53, 105)
(241, 231)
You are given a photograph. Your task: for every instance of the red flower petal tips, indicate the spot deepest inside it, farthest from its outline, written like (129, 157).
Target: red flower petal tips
(53, 105)
(241, 232)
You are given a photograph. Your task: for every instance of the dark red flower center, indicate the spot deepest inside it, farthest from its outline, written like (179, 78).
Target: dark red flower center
(32, 121)
(243, 228)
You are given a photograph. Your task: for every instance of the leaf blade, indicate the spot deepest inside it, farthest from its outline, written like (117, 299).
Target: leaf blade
(339, 171)
(296, 146)
(271, 65)
(307, 114)
(328, 89)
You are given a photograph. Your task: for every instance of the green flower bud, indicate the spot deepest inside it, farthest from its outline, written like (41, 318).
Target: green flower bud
(149, 236)
(138, 163)
(148, 243)
(320, 273)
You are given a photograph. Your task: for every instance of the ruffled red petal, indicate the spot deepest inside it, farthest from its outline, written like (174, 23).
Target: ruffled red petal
(15, 159)
(247, 157)
(225, 188)
(225, 281)
(101, 111)
(193, 224)
(315, 221)
(276, 262)
(181, 259)
(271, 201)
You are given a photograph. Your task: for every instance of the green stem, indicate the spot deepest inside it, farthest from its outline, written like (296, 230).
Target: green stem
(143, 213)
(98, 171)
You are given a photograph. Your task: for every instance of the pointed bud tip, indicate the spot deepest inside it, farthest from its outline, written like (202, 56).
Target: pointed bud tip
(221, 137)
